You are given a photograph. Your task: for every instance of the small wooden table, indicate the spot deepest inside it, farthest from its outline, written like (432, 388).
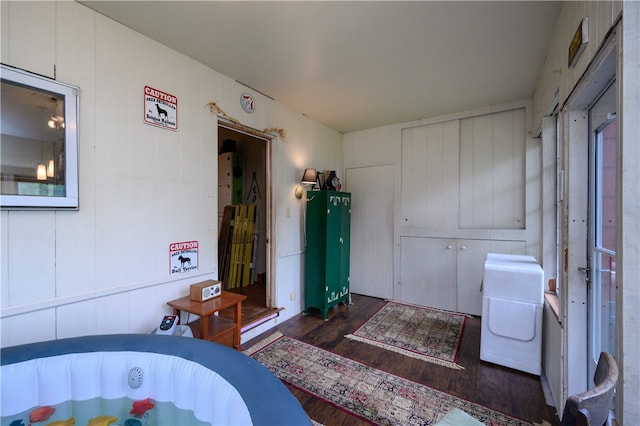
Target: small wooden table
(221, 329)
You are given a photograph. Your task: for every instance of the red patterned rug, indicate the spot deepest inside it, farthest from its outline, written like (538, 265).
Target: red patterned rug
(428, 334)
(371, 394)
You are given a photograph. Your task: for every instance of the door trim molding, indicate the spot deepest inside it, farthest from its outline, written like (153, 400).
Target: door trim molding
(270, 239)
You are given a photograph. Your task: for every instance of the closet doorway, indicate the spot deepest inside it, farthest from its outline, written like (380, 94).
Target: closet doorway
(244, 221)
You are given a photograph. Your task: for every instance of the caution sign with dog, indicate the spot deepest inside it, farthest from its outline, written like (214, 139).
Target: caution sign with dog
(183, 257)
(160, 108)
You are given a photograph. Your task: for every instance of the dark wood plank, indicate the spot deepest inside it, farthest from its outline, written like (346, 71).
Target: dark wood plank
(253, 308)
(512, 392)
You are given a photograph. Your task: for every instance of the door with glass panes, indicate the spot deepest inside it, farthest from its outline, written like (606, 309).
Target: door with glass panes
(603, 237)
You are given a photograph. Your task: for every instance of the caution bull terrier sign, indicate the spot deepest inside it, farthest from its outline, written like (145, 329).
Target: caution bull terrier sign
(183, 257)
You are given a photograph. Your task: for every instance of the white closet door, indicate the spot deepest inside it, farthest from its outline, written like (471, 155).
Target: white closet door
(492, 171)
(372, 245)
(430, 175)
(428, 272)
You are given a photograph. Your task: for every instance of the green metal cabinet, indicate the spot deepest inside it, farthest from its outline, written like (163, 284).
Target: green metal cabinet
(328, 228)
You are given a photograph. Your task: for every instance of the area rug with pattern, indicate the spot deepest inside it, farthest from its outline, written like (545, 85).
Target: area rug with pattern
(373, 395)
(428, 334)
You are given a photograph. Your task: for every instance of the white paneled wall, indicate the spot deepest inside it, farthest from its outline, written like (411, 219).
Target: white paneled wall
(437, 259)
(141, 187)
(629, 297)
(39, 325)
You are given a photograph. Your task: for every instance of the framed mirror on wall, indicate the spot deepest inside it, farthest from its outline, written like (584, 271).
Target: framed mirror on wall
(39, 142)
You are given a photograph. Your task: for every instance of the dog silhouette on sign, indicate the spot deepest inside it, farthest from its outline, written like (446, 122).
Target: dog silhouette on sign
(161, 112)
(184, 261)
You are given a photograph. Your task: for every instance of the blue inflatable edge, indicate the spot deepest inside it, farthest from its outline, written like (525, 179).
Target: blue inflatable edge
(268, 400)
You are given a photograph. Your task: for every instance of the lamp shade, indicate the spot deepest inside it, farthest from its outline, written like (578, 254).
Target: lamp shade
(41, 172)
(309, 176)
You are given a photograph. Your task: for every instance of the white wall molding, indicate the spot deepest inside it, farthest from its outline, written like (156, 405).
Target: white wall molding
(27, 308)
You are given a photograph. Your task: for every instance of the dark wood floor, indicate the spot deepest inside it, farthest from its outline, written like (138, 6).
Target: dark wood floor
(500, 388)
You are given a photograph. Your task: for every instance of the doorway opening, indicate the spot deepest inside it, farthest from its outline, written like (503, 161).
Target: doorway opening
(244, 221)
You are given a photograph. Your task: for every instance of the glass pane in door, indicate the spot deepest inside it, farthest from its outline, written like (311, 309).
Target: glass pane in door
(603, 277)
(606, 183)
(604, 304)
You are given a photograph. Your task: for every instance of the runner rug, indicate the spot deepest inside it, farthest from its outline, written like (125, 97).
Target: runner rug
(363, 391)
(428, 334)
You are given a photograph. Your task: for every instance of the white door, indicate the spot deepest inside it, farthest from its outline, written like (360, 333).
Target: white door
(429, 181)
(603, 238)
(428, 272)
(371, 259)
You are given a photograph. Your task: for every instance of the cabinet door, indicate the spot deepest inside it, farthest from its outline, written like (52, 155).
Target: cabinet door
(447, 273)
(345, 243)
(334, 245)
(428, 272)
(492, 170)
(430, 164)
(470, 268)
(315, 250)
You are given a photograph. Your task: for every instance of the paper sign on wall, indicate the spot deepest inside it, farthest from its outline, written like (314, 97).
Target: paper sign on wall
(160, 108)
(183, 257)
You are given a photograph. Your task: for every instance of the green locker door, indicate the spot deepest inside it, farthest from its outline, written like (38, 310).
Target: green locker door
(346, 244)
(315, 251)
(334, 254)
(327, 250)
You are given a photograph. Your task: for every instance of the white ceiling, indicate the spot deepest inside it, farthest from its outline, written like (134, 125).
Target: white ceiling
(362, 64)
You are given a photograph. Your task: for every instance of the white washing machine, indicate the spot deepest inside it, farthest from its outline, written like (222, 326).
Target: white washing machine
(512, 304)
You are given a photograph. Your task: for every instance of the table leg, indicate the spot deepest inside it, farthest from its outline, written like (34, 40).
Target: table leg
(238, 318)
(204, 327)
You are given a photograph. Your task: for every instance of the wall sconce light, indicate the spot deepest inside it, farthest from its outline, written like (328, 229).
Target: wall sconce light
(310, 177)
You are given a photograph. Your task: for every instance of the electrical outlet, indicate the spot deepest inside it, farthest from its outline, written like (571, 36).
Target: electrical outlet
(292, 296)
